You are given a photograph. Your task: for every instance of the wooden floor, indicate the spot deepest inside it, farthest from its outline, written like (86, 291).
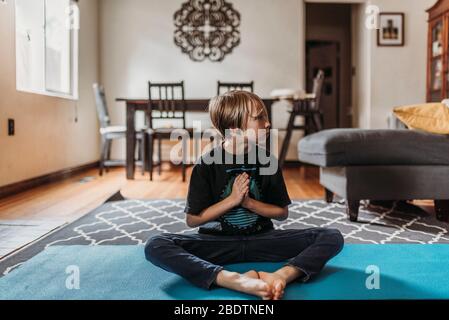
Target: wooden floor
(29, 215)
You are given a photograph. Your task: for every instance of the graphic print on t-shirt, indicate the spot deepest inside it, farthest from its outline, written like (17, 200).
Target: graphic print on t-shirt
(240, 217)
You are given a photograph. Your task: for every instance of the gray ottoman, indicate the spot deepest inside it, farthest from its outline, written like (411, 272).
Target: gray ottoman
(380, 165)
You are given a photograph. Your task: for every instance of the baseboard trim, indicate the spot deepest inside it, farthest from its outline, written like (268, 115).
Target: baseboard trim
(25, 185)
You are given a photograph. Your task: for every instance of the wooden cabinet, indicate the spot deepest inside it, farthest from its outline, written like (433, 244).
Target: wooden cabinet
(438, 52)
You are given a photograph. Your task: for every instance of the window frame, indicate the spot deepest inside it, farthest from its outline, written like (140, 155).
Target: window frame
(74, 63)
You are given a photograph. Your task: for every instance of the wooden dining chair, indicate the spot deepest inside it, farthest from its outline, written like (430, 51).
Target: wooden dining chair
(223, 87)
(316, 117)
(166, 104)
(310, 110)
(109, 133)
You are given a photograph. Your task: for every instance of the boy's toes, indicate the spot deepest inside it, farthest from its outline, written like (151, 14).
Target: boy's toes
(266, 292)
(278, 291)
(266, 295)
(277, 286)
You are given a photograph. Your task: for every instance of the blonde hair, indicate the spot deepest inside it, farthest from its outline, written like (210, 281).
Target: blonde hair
(232, 110)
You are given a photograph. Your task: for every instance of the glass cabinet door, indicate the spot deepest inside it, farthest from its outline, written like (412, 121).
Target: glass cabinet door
(437, 74)
(437, 39)
(446, 56)
(437, 63)
(436, 79)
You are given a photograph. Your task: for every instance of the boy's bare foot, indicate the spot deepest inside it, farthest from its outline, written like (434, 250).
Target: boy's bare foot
(244, 283)
(276, 282)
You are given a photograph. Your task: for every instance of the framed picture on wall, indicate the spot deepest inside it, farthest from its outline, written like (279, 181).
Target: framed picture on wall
(391, 29)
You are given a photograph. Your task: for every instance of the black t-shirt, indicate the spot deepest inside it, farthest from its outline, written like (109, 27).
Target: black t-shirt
(212, 182)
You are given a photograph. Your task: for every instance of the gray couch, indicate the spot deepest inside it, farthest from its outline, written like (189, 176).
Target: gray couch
(380, 165)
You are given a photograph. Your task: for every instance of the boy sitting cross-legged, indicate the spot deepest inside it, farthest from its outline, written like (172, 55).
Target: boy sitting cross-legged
(233, 203)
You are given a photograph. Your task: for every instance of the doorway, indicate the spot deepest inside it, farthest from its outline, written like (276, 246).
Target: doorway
(328, 48)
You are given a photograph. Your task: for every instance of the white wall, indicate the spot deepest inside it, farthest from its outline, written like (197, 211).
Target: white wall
(47, 137)
(399, 74)
(137, 45)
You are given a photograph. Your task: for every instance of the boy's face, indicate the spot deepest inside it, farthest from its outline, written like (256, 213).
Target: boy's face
(257, 127)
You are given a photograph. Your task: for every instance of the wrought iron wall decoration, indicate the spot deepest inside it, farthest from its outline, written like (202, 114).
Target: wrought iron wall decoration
(207, 29)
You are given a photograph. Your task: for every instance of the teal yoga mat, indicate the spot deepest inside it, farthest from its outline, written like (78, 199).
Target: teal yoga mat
(121, 272)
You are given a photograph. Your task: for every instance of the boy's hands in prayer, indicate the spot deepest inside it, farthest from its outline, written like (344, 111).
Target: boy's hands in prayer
(240, 189)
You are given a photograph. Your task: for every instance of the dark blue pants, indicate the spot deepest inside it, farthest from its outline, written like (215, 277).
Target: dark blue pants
(199, 258)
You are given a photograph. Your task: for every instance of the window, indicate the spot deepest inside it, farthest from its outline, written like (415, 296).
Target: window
(47, 47)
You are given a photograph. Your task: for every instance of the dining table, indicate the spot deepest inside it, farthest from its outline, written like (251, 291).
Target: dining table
(133, 105)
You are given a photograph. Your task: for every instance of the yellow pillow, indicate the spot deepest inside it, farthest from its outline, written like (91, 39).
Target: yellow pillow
(430, 117)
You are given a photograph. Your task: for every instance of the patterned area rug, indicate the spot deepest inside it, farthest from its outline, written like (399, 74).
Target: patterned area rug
(132, 222)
